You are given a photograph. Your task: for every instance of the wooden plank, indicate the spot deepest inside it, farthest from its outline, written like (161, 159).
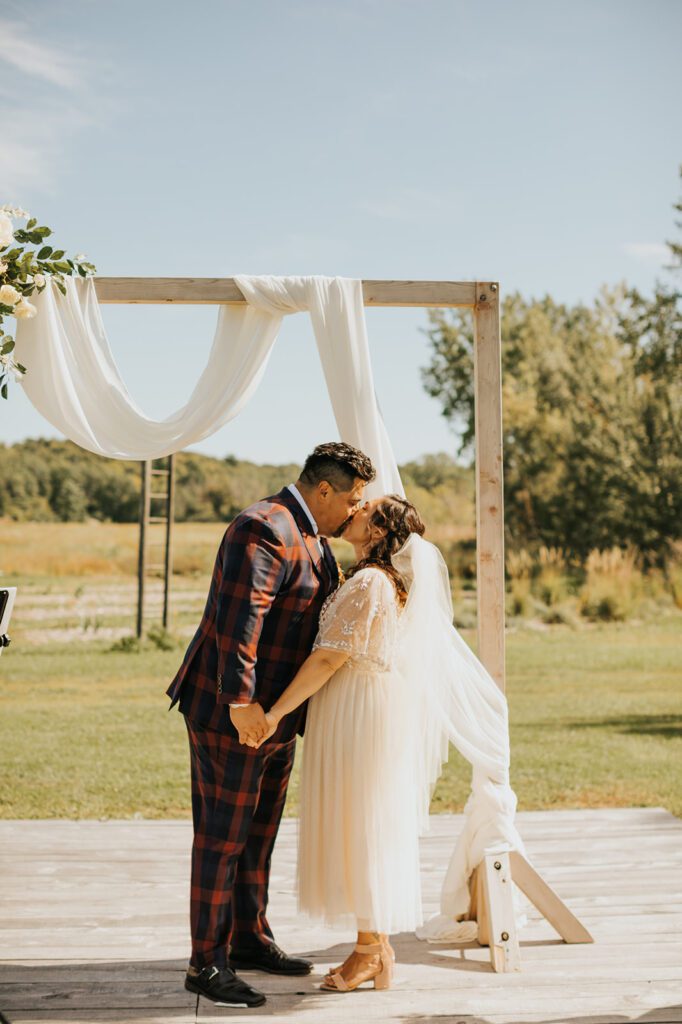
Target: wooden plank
(497, 889)
(107, 925)
(489, 490)
(547, 901)
(224, 291)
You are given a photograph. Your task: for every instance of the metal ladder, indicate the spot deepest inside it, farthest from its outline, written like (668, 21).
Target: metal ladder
(158, 485)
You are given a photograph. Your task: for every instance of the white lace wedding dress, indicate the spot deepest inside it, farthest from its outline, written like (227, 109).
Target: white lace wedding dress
(358, 863)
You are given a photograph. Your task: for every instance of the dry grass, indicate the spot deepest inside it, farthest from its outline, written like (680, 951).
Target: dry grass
(610, 587)
(96, 549)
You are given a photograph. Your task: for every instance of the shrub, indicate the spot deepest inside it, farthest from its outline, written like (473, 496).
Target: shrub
(161, 638)
(126, 645)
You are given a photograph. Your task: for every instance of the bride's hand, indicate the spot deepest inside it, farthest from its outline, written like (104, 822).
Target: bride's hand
(271, 722)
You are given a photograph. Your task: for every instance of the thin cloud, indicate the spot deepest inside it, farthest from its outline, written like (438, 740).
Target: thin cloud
(409, 206)
(21, 168)
(60, 102)
(653, 253)
(37, 60)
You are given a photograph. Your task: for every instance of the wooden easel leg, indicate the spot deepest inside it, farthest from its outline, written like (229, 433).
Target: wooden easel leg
(546, 900)
(492, 907)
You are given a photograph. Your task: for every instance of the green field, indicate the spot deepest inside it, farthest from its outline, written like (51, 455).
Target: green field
(595, 708)
(596, 720)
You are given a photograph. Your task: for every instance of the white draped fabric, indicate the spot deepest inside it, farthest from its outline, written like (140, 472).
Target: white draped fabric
(74, 382)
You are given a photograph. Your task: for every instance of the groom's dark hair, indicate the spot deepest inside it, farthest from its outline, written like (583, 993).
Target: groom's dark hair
(339, 464)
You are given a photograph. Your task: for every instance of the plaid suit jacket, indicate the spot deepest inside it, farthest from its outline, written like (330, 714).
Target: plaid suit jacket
(261, 617)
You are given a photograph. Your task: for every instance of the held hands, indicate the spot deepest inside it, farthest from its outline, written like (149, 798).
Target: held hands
(249, 721)
(252, 724)
(271, 722)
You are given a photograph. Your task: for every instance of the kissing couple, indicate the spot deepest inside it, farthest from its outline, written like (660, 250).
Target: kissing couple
(286, 642)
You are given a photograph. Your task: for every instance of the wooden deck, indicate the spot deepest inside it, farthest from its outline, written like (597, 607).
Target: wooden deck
(94, 928)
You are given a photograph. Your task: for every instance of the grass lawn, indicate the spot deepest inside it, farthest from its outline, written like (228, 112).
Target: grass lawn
(596, 720)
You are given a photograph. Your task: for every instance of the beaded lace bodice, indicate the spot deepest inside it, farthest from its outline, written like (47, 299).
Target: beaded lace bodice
(361, 617)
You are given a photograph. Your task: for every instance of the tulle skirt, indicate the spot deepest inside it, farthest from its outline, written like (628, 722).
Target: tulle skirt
(358, 844)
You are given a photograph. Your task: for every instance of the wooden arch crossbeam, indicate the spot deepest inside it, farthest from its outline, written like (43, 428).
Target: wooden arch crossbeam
(483, 298)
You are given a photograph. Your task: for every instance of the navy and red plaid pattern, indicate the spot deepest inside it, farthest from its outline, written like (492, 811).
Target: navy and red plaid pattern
(261, 617)
(268, 586)
(238, 796)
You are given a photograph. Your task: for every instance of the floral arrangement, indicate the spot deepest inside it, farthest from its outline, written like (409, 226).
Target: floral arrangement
(24, 270)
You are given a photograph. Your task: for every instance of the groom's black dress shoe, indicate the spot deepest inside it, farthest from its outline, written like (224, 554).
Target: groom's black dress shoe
(271, 959)
(223, 987)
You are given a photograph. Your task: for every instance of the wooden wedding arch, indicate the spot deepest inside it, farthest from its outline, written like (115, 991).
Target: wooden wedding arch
(480, 296)
(491, 904)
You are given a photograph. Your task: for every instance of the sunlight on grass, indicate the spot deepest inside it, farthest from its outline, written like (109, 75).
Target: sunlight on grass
(595, 716)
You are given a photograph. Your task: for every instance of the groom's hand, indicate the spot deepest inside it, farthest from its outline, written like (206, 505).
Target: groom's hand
(249, 721)
(271, 722)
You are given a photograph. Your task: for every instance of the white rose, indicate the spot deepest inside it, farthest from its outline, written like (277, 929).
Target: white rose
(24, 310)
(9, 295)
(6, 230)
(39, 280)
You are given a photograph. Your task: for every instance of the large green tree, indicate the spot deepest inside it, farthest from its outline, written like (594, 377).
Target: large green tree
(592, 416)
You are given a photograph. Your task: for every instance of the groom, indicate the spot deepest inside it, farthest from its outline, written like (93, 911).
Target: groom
(273, 571)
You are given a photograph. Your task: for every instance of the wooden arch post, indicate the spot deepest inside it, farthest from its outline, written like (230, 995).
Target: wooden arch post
(491, 899)
(489, 481)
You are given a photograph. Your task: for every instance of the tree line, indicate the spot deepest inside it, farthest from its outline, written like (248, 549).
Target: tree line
(56, 481)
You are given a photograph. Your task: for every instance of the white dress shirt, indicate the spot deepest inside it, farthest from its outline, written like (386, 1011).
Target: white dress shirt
(302, 502)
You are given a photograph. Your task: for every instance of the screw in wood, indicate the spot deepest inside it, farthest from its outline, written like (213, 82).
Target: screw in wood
(505, 936)
(497, 865)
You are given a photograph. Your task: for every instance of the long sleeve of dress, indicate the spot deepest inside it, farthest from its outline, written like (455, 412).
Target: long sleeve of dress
(361, 618)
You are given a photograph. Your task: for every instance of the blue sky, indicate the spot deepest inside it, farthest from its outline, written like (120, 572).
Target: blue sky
(537, 143)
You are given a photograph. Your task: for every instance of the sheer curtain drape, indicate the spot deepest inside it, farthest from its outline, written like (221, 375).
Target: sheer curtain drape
(74, 382)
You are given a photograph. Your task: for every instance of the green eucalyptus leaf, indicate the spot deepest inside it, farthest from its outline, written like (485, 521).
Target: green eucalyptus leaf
(3, 391)
(60, 285)
(82, 271)
(7, 347)
(45, 252)
(57, 254)
(20, 368)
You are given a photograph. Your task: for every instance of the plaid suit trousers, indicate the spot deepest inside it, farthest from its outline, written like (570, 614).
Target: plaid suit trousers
(238, 796)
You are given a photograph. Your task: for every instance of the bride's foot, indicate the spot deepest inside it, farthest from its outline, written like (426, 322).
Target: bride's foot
(368, 962)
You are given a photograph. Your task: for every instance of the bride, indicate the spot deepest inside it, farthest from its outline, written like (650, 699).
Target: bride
(362, 791)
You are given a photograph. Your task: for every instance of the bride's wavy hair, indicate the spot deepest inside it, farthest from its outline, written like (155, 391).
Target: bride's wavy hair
(399, 518)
